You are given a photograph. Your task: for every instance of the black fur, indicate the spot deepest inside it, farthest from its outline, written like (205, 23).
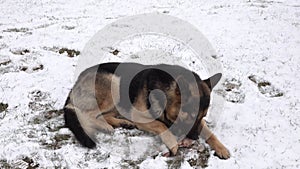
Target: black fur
(193, 133)
(73, 124)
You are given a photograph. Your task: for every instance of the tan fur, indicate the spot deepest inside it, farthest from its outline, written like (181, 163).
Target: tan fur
(174, 102)
(89, 110)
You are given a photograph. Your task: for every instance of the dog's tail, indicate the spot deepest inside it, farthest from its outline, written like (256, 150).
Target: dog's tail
(73, 123)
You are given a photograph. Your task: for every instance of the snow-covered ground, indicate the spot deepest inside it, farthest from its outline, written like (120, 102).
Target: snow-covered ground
(257, 42)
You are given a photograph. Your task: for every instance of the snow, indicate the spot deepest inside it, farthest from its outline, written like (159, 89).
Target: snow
(250, 37)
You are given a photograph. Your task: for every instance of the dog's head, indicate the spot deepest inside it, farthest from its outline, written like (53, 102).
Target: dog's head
(188, 100)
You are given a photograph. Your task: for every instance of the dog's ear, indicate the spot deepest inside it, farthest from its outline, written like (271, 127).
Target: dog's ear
(212, 81)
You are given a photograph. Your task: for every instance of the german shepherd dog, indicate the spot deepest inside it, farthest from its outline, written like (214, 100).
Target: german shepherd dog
(167, 100)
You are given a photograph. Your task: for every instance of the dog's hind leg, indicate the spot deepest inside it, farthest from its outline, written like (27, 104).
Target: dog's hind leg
(115, 122)
(111, 119)
(96, 123)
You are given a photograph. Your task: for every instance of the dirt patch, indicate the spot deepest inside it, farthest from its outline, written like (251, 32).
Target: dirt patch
(28, 63)
(35, 68)
(19, 51)
(4, 61)
(40, 101)
(23, 162)
(232, 91)
(70, 52)
(115, 52)
(47, 122)
(51, 125)
(44, 116)
(52, 49)
(68, 27)
(5, 64)
(23, 30)
(111, 50)
(132, 164)
(39, 67)
(53, 113)
(31, 164)
(57, 141)
(197, 156)
(3, 107)
(5, 165)
(265, 87)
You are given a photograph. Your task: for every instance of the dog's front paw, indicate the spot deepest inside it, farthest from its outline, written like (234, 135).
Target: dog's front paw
(222, 152)
(174, 150)
(107, 129)
(186, 142)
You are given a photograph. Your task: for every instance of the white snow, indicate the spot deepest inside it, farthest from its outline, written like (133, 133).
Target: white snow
(251, 37)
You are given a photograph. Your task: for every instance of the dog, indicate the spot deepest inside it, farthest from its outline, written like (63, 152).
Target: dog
(167, 100)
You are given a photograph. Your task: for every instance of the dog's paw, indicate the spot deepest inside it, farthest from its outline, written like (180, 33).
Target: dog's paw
(186, 142)
(165, 152)
(107, 129)
(174, 150)
(222, 152)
